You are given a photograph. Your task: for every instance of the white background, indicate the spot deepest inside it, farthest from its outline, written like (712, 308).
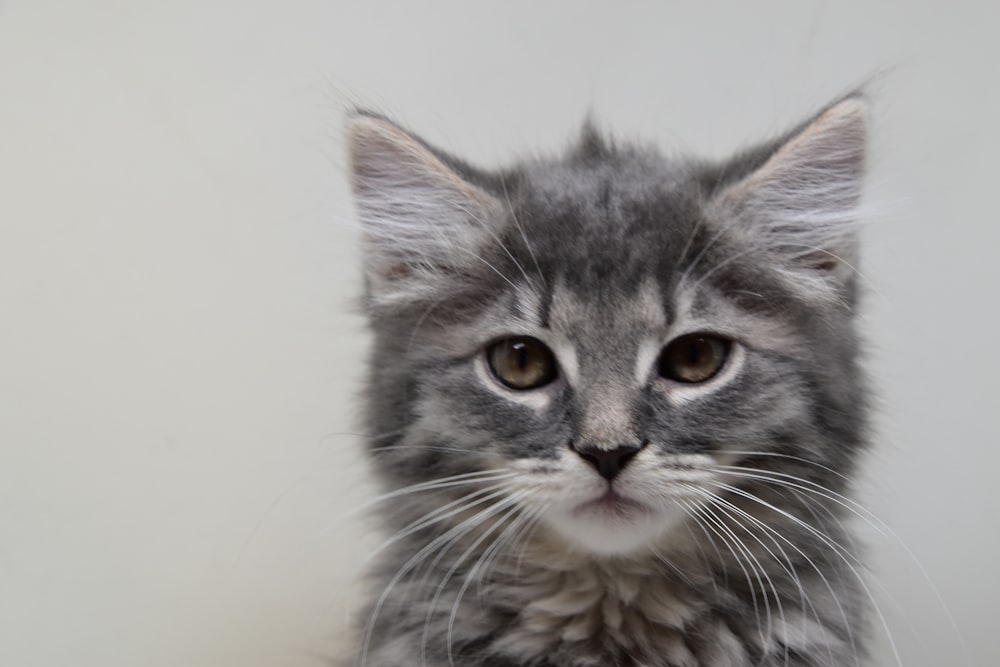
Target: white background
(178, 353)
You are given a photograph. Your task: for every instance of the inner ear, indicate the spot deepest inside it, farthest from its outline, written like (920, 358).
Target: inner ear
(801, 204)
(421, 218)
(828, 264)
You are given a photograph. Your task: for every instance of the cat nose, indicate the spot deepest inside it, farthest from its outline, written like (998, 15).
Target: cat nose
(607, 462)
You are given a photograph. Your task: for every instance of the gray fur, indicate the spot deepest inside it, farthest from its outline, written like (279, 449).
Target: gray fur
(606, 254)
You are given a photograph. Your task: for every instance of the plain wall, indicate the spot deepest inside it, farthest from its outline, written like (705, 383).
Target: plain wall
(179, 354)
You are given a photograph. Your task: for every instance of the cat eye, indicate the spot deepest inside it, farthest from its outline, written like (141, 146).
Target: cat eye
(522, 362)
(693, 358)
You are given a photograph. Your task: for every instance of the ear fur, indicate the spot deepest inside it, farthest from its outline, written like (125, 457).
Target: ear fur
(802, 203)
(420, 218)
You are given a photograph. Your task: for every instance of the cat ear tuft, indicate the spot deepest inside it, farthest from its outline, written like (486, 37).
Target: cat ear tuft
(420, 218)
(802, 203)
(591, 145)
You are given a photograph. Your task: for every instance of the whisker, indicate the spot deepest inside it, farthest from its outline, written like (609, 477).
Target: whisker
(520, 228)
(459, 531)
(442, 513)
(869, 284)
(772, 534)
(838, 549)
(683, 576)
(701, 550)
(442, 483)
(882, 528)
(697, 510)
(720, 265)
(432, 565)
(682, 281)
(790, 457)
(509, 504)
(887, 530)
(471, 575)
(511, 535)
(758, 570)
(502, 245)
(420, 322)
(797, 483)
(788, 567)
(366, 436)
(526, 536)
(490, 266)
(433, 448)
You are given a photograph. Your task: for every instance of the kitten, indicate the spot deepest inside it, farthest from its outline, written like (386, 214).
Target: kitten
(615, 402)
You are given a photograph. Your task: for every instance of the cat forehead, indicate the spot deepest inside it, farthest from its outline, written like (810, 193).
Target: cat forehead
(613, 178)
(571, 308)
(607, 225)
(625, 318)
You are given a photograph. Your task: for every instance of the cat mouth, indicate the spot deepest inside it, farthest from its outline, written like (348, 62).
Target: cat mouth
(611, 505)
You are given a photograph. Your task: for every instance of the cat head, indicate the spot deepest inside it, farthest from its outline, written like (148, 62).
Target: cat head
(601, 341)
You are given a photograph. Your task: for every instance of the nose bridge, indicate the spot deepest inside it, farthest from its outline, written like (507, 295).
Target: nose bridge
(607, 332)
(608, 419)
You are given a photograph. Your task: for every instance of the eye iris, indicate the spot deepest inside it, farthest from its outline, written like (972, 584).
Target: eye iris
(522, 363)
(693, 358)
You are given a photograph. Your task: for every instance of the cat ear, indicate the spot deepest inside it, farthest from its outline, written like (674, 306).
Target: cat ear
(802, 203)
(421, 220)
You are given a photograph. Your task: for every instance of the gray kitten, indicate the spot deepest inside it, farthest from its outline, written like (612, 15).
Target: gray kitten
(615, 402)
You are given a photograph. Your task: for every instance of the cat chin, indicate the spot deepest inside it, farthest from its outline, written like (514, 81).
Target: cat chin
(610, 533)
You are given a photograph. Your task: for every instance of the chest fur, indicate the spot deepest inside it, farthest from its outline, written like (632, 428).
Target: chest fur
(640, 615)
(586, 612)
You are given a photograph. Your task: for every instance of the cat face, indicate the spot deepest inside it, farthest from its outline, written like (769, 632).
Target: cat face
(595, 343)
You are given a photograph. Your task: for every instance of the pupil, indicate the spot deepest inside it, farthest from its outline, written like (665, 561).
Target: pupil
(693, 353)
(521, 362)
(521, 350)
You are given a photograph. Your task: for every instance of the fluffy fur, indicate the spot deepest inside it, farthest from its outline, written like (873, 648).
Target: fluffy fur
(722, 541)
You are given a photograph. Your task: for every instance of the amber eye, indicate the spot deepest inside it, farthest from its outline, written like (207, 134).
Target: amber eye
(693, 358)
(522, 363)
